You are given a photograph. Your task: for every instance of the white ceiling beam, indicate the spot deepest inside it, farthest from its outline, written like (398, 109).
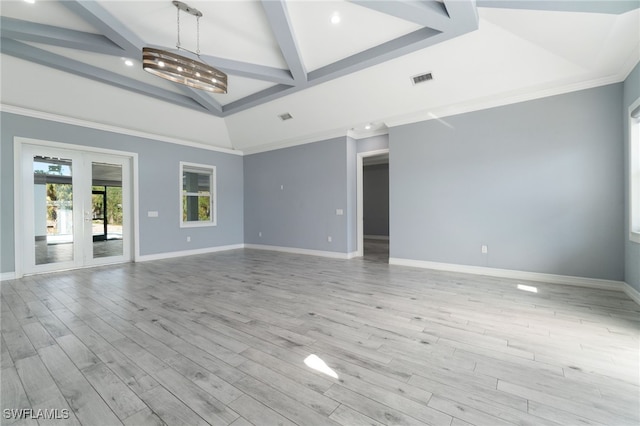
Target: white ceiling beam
(107, 24)
(614, 7)
(278, 17)
(429, 13)
(464, 19)
(259, 98)
(48, 34)
(62, 63)
(464, 16)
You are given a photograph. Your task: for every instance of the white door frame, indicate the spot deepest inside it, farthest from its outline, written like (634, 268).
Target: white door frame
(19, 200)
(360, 194)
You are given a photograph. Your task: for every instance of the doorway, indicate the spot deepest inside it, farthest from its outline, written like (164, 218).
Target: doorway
(73, 209)
(372, 207)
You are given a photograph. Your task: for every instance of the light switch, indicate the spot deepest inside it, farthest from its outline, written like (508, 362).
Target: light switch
(152, 213)
(339, 212)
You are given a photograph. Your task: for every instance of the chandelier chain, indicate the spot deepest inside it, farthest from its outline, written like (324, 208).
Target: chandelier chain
(178, 21)
(198, 35)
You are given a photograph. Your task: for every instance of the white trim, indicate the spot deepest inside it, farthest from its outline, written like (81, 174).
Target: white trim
(287, 143)
(213, 194)
(360, 196)
(295, 250)
(497, 100)
(377, 237)
(633, 143)
(513, 274)
(6, 276)
(183, 253)
(367, 133)
(18, 142)
(109, 128)
(632, 292)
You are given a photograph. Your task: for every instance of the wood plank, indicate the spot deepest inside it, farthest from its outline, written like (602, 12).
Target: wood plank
(281, 403)
(18, 344)
(310, 398)
(598, 413)
(258, 413)
(38, 336)
(375, 410)
(87, 405)
(195, 397)
(170, 409)
(81, 356)
(349, 417)
(13, 394)
(144, 417)
(122, 401)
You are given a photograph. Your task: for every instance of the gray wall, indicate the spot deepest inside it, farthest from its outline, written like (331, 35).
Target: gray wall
(375, 191)
(302, 214)
(632, 250)
(158, 186)
(538, 182)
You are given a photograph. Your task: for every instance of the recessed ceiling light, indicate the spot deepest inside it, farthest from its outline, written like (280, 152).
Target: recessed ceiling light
(335, 18)
(30, 1)
(367, 127)
(128, 62)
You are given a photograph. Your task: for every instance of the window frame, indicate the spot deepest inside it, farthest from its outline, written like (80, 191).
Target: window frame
(634, 174)
(213, 194)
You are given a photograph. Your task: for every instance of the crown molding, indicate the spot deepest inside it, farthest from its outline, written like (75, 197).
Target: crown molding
(110, 128)
(498, 100)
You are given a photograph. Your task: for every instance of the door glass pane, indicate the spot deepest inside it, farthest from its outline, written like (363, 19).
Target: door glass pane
(106, 206)
(53, 208)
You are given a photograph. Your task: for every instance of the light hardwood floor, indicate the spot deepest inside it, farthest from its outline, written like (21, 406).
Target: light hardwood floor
(223, 338)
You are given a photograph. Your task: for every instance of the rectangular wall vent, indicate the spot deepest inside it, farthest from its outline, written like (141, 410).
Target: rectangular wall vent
(421, 78)
(286, 116)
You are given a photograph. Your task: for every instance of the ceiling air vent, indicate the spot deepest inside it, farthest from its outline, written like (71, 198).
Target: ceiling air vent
(286, 116)
(421, 78)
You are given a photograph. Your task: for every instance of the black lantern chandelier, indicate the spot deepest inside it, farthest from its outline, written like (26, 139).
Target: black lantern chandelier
(181, 69)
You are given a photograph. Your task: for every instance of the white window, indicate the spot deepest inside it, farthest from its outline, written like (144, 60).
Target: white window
(197, 195)
(634, 171)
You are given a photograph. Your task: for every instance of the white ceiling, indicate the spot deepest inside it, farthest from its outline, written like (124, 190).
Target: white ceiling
(514, 54)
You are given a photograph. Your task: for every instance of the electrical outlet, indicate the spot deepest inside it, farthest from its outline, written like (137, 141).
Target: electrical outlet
(339, 212)
(329, 239)
(484, 249)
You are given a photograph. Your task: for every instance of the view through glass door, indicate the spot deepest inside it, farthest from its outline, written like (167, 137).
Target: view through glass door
(77, 208)
(106, 209)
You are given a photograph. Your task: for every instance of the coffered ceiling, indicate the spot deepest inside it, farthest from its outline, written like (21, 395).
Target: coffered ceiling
(334, 66)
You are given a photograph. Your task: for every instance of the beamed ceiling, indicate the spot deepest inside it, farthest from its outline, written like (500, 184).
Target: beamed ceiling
(288, 57)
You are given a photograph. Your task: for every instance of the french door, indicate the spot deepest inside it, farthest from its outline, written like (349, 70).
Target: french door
(76, 208)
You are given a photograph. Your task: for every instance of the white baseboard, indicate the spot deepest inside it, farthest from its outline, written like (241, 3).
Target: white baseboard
(632, 293)
(169, 255)
(295, 250)
(6, 276)
(376, 237)
(513, 274)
